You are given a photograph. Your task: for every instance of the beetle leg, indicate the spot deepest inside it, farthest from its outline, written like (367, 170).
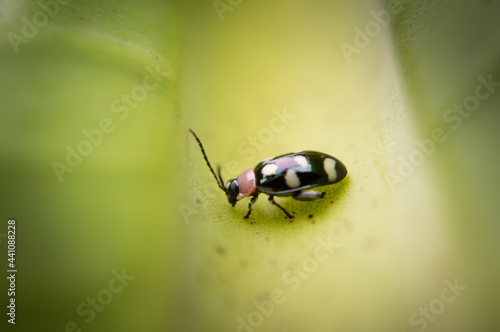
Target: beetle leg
(273, 202)
(308, 195)
(250, 203)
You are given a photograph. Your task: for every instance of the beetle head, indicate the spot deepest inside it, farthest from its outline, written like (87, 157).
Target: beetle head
(232, 191)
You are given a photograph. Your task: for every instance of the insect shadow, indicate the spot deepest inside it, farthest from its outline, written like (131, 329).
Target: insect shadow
(313, 211)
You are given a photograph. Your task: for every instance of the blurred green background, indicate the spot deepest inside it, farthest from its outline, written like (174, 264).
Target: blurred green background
(108, 189)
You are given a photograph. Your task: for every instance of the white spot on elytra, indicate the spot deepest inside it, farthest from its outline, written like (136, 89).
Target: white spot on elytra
(269, 169)
(329, 166)
(301, 160)
(291, 179)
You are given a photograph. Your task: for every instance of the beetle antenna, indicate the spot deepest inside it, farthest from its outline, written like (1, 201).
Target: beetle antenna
(219, 182)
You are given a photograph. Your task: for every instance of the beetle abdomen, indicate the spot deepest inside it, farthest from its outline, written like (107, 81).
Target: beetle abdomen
(297, 171)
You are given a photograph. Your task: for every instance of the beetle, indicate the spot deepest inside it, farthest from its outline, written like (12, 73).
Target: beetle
(290, 174)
